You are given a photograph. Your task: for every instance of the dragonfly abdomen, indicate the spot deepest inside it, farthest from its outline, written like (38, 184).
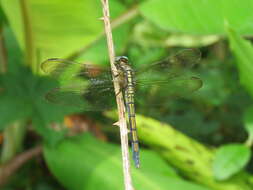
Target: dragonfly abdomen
(129, 100)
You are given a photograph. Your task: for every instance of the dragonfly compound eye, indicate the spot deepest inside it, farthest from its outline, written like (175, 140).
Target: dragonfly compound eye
(121, 59)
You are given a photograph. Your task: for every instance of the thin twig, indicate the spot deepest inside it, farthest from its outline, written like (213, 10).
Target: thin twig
(13, 165)
(119, 99)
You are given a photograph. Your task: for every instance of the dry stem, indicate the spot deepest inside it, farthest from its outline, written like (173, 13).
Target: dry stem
(13, 165)
(119, 99)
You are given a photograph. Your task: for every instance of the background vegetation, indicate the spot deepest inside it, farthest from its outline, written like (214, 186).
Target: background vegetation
(200, 142)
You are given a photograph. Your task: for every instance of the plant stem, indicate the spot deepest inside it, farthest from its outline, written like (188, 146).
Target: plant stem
(8, 169)
(119, 99)
(13, 140)
(30, 51)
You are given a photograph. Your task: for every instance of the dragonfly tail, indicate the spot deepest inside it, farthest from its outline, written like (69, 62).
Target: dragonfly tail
(136, 158)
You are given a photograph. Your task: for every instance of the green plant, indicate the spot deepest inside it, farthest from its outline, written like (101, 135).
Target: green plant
(146, 31)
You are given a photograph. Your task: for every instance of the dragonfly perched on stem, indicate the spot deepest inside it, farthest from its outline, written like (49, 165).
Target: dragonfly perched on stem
(91, 88)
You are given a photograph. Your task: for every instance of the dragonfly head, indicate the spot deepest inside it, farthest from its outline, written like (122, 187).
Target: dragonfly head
(121, 59)
(121, 62)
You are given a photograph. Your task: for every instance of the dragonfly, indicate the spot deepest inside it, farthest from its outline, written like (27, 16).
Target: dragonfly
(91, 88)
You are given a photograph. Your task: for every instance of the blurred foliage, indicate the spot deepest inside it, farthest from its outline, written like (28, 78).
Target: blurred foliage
(236, 158)
(149, 34)
(191, 158)
(201, 17)
(219, 114)
(48, 38)
(243, 51)
(22, 99)
(248, 122)
(101, 157)
(2, 17)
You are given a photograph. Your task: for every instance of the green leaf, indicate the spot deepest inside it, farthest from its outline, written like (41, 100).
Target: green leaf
(148, 35)
(248, 123)
(2, 18)
(14, 53)
(12, 109)
(199, 16)
(229, 160)
(98, 52)
(84, 163)
(22, 97)
(243, 51)
(58, 27)
(190, 157)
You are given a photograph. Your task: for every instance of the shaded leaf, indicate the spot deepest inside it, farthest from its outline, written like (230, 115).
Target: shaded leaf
(243, 51)
(13, 51)
(86, 163)
(248, 124)
(2, 17)
(22, 97)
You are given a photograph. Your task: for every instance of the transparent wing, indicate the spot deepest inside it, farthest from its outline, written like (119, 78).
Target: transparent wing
(168, 79)
(171, 66)
(67, 70)
(161, 91)
(95, 98)
(80, 85)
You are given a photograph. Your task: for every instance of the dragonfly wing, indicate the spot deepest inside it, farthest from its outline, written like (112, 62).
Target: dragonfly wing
(62, 69)
(80, 85)
(171, 66)
(160, 91)
(169, 78)
(93, 98)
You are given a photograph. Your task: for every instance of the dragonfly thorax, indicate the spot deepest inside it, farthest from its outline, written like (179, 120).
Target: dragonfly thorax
(125, 72)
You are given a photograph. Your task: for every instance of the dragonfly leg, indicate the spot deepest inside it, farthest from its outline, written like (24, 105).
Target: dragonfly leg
(117, 75)
(120, 90)
(117, 93)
